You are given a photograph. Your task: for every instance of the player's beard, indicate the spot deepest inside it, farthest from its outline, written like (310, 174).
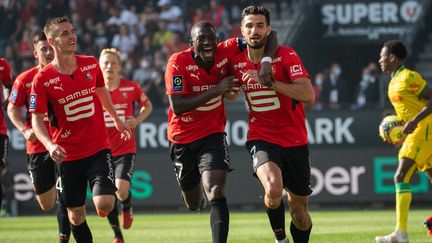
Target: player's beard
(258, 45)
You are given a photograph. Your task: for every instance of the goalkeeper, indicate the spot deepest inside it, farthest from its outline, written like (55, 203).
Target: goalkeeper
(411, 98)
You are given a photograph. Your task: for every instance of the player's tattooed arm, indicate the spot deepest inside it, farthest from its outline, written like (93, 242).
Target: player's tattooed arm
(182, 103)
(265, 74)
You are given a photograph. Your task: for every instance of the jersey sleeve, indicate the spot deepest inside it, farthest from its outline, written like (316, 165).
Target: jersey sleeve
(7, 78)
(175, 76)
(415, 83)
(139, 96)
(18, 95)
(38, 96)
(293, 64)
(233, 46)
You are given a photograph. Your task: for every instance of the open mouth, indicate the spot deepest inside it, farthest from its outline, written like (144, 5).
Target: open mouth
(208, 52)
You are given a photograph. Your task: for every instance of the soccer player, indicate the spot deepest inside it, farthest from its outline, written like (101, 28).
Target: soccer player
(39, 163)
(411, 98)
(6, 79)
(126, 95)
(72, 90)
(196, 81)
(280, 161)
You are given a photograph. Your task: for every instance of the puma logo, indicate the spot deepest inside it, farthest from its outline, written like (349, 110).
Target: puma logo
(175, 66)
(59, 87)
(195, 75)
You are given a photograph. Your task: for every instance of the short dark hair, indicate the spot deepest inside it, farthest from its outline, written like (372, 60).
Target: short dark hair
(38, 36)
(256, 10)
(397, 48)
(202, 25)
(51, 24)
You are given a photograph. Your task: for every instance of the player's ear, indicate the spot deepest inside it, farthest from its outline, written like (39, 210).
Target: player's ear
(35, 54)
(269, 30)
(50, 41)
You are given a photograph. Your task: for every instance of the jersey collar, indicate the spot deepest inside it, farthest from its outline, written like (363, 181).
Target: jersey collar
(398, 71)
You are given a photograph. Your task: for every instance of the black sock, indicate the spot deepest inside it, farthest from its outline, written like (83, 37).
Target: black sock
(114, 221)
(300, 236)
(63, 224)
(277, 220)
(219, 219)
(82, 233)
(126, 204)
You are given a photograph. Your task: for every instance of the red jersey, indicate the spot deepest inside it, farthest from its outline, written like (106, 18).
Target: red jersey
(20, 97)
(183, 76)
(6, 79)
(124, 98)
(74, 108)
(274, 117)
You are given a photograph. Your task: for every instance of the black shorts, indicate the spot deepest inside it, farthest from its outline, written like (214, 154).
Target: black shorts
(124, 166)
(192, 159)
(74, 175)
(294, 163)
(42, 171)
(4, 141)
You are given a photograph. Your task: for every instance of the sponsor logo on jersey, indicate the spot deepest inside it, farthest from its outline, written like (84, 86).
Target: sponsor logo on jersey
(75, 95)
(221, 63)
(175, 66)
(278, 59)
(28, 85)
(177, 82)
(66, 134)
(88, 67)
(199, 88)
(127, 89)
(296, 70)
(14, 95)
(124, 95)
(186, 119)
(32, 101)
(191, 68)
(239, 65)
(52, 81)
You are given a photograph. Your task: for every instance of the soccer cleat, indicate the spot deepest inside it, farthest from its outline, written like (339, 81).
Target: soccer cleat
(118, 240)
(282, 241)
(428, 225)
(395, 237)
(127, 218)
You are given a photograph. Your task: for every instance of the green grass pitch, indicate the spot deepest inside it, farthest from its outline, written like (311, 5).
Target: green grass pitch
(245, 227)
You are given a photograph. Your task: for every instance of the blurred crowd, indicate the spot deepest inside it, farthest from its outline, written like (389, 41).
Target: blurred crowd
(147, 32)
(333, 93)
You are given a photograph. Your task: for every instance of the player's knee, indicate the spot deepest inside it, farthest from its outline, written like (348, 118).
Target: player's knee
(214, 191)
(273, 191)
(122, 194)
(46, 206)
(300, 217)
(76, 218)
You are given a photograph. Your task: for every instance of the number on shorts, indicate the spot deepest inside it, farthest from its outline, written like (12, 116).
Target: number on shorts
(179, 167)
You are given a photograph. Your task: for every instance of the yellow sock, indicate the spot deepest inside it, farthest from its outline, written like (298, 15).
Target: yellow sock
(403, 201)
